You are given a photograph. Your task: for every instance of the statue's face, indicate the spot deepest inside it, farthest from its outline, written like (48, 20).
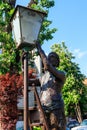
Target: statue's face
(53, 60)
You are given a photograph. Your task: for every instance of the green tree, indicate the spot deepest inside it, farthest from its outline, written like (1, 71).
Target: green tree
(7, 45)
(74, 89)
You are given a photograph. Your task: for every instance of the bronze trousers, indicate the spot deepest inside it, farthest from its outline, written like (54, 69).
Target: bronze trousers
(56, 119)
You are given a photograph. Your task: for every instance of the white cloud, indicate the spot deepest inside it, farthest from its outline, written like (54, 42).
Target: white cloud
(79, 54)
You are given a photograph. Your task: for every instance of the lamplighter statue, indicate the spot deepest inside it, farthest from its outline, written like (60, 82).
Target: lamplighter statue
(52, 82)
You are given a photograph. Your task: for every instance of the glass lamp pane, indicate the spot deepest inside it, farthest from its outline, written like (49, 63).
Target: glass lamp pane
(16, 28)
(26, 25)
(30, 23)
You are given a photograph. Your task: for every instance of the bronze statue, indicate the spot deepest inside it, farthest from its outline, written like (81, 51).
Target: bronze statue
(52, 82)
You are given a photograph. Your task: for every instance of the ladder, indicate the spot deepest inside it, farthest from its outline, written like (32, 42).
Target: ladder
(34, 112)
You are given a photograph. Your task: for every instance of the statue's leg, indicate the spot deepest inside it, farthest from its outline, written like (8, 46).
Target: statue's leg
(57, 120)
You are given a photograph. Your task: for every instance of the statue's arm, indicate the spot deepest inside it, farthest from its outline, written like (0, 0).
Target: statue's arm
(42, 55)
(57, 73)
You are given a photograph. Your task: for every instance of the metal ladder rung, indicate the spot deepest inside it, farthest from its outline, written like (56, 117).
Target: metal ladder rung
(38, 107)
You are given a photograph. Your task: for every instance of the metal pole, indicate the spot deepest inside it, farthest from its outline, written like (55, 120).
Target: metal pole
(26, 91)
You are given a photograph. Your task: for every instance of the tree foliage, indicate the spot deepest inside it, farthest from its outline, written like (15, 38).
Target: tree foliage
(74, 89)
(9, 91)
(7, 45)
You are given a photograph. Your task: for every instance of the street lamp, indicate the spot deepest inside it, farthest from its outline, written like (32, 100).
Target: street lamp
(26, 24)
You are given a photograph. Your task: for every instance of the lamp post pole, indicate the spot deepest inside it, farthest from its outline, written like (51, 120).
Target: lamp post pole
(26, 30)
(26, 91)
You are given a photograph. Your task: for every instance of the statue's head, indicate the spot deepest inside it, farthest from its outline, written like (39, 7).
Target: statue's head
(54, 59)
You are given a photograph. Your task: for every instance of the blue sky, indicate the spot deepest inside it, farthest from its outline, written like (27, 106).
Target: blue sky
(70, 18)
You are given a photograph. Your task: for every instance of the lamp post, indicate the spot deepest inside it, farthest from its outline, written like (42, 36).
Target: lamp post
(26, 24)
